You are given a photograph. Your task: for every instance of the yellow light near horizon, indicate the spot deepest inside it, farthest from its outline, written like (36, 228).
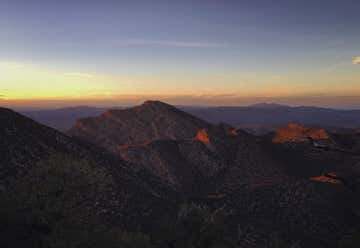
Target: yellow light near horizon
(25, 81)
(29, 81)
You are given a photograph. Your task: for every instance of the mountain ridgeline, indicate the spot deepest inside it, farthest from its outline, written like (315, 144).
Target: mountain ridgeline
(156, 176)
(258, 119)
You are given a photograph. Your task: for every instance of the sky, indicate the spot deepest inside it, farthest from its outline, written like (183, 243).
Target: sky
(205, 52)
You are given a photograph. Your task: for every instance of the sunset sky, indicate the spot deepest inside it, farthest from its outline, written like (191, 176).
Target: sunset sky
(215, 52)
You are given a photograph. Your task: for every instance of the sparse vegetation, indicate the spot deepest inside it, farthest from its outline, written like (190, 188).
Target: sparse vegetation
(196, 226)
(60, 203)
(351, 240)
(56, 204)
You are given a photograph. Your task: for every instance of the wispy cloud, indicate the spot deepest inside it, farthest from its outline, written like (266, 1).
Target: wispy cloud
(170, 43)
(356, 60)
(11, 65)
(79, 74)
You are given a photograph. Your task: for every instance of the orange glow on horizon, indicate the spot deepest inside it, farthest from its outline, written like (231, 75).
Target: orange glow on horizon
(24, 84)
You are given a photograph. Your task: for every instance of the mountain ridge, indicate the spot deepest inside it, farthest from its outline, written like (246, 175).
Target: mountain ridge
(258, 120)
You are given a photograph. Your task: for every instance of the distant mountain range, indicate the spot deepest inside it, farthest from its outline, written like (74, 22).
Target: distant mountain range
(262, 118)
(258, 119)
(62, 119)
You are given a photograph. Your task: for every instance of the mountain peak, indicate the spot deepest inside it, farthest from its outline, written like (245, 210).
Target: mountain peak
(155, 103)
(152, 120)
(158, 106)
(266, 105)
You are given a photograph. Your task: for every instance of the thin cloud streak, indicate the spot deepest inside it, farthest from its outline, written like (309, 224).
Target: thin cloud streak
(81, 75)
(170, 43)
(11, 65)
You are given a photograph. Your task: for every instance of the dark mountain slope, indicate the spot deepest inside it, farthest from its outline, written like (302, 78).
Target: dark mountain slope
(187, 165)
(24, 143)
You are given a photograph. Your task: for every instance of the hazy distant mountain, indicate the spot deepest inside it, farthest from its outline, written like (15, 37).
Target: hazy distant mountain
(258, 119)
(62, 119)
(262, 118)
(265, 105)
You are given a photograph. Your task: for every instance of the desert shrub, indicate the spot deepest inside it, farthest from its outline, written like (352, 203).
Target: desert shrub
(196, 226)
(114, 238)
(351, 240)
(276, 241)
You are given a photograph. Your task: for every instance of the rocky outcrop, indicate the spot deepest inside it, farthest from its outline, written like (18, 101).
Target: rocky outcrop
(327, 178)
(299, 133)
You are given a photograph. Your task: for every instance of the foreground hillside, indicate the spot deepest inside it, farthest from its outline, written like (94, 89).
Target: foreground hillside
(155, 176)
(49, 181)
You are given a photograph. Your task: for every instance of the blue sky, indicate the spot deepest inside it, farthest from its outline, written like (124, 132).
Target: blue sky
(70, 49)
